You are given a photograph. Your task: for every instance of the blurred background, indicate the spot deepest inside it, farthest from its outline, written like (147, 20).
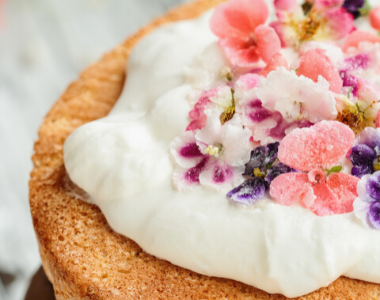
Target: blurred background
(44, 44)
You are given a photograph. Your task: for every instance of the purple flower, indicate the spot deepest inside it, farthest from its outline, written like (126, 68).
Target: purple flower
(367, 205)
(262, 172)
(353, 6)
(366, 152)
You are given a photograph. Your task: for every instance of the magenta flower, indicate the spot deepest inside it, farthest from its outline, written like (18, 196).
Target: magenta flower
(243, 36)
(316, 151)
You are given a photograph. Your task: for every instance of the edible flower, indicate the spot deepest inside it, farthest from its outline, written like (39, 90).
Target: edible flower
(367, 205)
(262, 171)
(316, 151)
(244, 38)
(323, 21)
(365, 155)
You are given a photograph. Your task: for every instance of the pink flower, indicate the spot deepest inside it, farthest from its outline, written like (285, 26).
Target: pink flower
(243, 37)
(199, 118)
(327, 20)
(358, 36)
(277, 61)
(315, 63)
(374, 17)
(314, 150)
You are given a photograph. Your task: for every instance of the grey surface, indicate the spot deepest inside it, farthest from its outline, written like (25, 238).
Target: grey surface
(44, 44)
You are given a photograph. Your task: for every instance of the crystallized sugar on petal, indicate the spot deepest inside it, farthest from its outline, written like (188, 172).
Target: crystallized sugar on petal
(344, 186)
(188, 178)
(325, 202)
(249, 192)
(373, 186)
(235, 141)
(207, 70)
(289, 188)
(221, 176)
(297, 97)
(222, 97)
(370, 137)
(185, 150)
(277, 61)
(321, 145)
(333, 52)
(367, 92)
(315, 63)
(374, 215)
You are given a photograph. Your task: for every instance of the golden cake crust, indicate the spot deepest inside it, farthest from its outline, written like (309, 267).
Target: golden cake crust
(82, 256)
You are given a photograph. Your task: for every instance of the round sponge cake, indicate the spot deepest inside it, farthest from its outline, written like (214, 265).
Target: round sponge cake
(82, 256)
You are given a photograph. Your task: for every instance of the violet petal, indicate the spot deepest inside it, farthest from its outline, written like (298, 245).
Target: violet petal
(361, 170)
(261, 157)
(278, 170)
(374, 215)
(362, 155)
(353, 6)
(373, 186)
(249, 192)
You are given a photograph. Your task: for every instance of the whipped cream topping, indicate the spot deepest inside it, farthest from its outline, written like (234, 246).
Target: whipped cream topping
(123, 162)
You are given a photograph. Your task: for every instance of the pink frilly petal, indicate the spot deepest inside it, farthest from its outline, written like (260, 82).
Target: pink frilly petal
(185, 150)
(197, 113)
(268, 42)
(315, 63)
(358, 36)
(238, 18)
(340, 22)
(320, 146)
(247, 82)
(277, 61)
(325, 201)
(374, 17)
(289, 188)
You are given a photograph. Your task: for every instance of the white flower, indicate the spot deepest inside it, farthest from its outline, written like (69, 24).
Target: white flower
(297, 97)
(231, 139)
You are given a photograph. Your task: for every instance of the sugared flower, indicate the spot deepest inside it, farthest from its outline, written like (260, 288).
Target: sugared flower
(357, 37)
(243, 36)
(367, 205)
(262, 172)
(316, 151)
(365, 155)
(297, 97)
(315, 63)
(325, 20)
(195, 168)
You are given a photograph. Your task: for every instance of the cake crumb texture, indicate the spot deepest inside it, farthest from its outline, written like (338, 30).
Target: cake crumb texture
(82, 256)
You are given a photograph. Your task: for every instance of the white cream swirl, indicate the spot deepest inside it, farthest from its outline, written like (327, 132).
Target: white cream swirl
(123, 162)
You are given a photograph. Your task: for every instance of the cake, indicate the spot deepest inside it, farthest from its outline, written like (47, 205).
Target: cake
(85, 259)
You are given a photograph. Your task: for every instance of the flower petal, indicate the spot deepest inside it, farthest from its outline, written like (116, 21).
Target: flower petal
(339, 22)
(372, 186)
(361, 210)
(374, 215)
(249, 192)
(321, 145)
(184, 178)
(325, 202)
(315, 63)
(240, 52)
(185, 150)
(344, 187)
(260, 158)
(287, 189)
(268, 42)
(358, 36)
(220, 176)
(277, 61)
(374, 17)
(237, 18)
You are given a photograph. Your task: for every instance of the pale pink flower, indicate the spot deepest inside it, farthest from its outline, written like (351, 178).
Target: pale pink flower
(243, 36)
(277, 61)
(313, 151)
